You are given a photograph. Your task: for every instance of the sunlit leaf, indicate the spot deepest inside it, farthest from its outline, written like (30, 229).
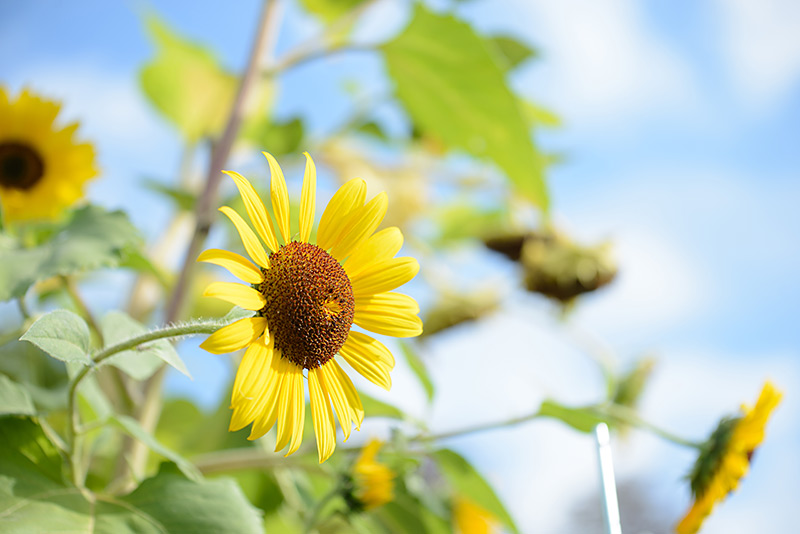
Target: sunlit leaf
(330, 10)
(376, 408)
(61, 334)
(182, 199)
(418, 367)
(581, 419)
(277, 138)
(14, 398)
(512, 50)
(447, 78)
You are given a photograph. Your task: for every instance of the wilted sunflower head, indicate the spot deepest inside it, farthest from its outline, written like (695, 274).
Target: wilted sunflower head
(42, 168)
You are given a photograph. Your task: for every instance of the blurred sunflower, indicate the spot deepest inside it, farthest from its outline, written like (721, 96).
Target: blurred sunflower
(470, 518)
(725, 458)
(307, 297)
(42, 168)
(373, 482)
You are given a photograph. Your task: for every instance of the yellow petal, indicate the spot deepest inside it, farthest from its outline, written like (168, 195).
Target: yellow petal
(344, 396)
(308, 199)
(251, 384)
(238, 266)
(249, 239)
(291, 410)
(280, 197)
(239, 294)
(390, 314)
(255, 210)
(384, 276)
(366, 364)
(360, 225)
(322, 416)
(371, 347)
(347, 199)
(380, 246)
(235, 335)
(266, 411)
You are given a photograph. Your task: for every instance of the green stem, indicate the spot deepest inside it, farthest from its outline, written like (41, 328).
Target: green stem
(475, 428)
(623, 414)
(314, 516)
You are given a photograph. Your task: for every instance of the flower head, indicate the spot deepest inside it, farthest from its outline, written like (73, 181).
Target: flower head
(725, 458)
(42, 168)
(306, 298)
(372, 483)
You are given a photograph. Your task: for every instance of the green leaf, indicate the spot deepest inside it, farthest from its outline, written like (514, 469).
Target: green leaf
(141, 362)
(14, 398)
(461, 220)
(466, 481)
(376, 408)
(540, 116)
(93, 238)
(277, 138)
(61, 334)
(511, 50)
(182, 199)
(330, 10)
(447, 79)
(581, 419)
(186, 84)
(418, 366)
(132, 427)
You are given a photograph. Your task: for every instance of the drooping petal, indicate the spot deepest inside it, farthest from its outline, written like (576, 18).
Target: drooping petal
(360, 225)
(390, 314)
(371, 347)
(333, 384)
(308, 199)
(380, 246)
(384, 276)
(250, 385)
(266, 411)
(249, 239)
(324, 428)
(366, 363)
(347, 199)
(239, 294)
(238, 266)
(280, 197)
(235, 336)
(291, 410)
(255, 210)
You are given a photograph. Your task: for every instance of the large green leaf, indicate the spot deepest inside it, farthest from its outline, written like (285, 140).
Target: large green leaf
(449, 81)
(14, 398)
(466, 481)
(511, 50)
(186, 83)
(61, 334)
(34, 497)
(93, 238)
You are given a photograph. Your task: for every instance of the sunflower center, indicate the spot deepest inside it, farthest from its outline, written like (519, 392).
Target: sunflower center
(310, 304)
(21, 167)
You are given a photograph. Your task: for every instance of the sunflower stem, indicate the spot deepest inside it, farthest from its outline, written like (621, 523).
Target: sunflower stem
(622, 414)
(314, 516)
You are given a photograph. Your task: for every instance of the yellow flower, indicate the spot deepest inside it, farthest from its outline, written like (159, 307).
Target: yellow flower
(725, 458)
(307, 297)
(373, 481)
(469, 518)
(42, 169)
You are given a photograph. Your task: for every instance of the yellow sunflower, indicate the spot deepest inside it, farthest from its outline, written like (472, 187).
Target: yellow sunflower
(725, 458)
(470, 518)
(373, 481)
(307, 297)
(42, 168)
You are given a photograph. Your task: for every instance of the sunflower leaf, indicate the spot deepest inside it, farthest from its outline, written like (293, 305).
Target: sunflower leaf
(419, 369)
(376, 408)
(449, 81)
(14, 398)
(61, 334)
(581, 419)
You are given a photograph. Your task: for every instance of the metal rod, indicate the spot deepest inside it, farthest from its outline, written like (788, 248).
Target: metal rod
(609, 485)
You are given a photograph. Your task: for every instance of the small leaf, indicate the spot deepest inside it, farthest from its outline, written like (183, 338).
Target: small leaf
(581, 419)
(376, 408)
(512, 51)
(418, 366)
(14, 398)
(132, 427)
(330, 10)
(61, 334)
(277, 138)
(182, 199)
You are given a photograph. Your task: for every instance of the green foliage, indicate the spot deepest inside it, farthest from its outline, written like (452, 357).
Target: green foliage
(182, 199)
(376, 408)
(448, 80)
(330, 10)
(93, 238)
(581, 419)
(61, 334)
(14, 398)
(512, 50)
(465, 480)
(277, 138)
(418, 367)
(461, 220)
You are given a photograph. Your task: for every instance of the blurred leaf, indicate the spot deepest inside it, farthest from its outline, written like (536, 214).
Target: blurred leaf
(453, 309)
(132, 427)
(93, 238)
(277, 138)
(460, 221)
(540, 116)
(135, 259)
(408, 515)
(61, 334)
(184, 200)
(512, 51)
(448, 81)
(468, 482)
(581, 419)
(330, 10)
(14, 398)
(186, 84)
(140, 362)
(418, 367)
(376, 408)
(373, 129)
(26, 453)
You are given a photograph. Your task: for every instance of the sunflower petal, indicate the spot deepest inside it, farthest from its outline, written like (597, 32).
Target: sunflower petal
(238, 266)
(360, 225)
(266, 411)
(308, 199)
(348, 198)
(235, 336)
(390, 314)
(291, 409)
(344, 396)
(380, 246)
(372, 348)
(239, 294)
(250, 385)
(249, 239)
(255, 210)
(324, 428)
(384, 276)
(365, 363)
(280, 196)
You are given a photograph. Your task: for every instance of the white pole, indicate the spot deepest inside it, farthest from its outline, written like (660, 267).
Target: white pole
(609, 486)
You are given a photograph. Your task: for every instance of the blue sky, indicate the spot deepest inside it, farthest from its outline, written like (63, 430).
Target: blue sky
(681, 130)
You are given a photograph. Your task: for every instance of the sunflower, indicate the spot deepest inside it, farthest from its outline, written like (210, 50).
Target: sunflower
(725, 458)
(42, 168)
(470, 518)
(372, 482)
(307, 297)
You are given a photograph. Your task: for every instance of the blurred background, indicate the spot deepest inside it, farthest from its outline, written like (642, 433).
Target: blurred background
(675, 138)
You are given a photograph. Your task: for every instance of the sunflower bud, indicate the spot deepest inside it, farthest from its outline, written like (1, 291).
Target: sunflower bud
(371, 483)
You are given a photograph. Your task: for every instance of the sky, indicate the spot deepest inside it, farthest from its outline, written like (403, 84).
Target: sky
(680, 134)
